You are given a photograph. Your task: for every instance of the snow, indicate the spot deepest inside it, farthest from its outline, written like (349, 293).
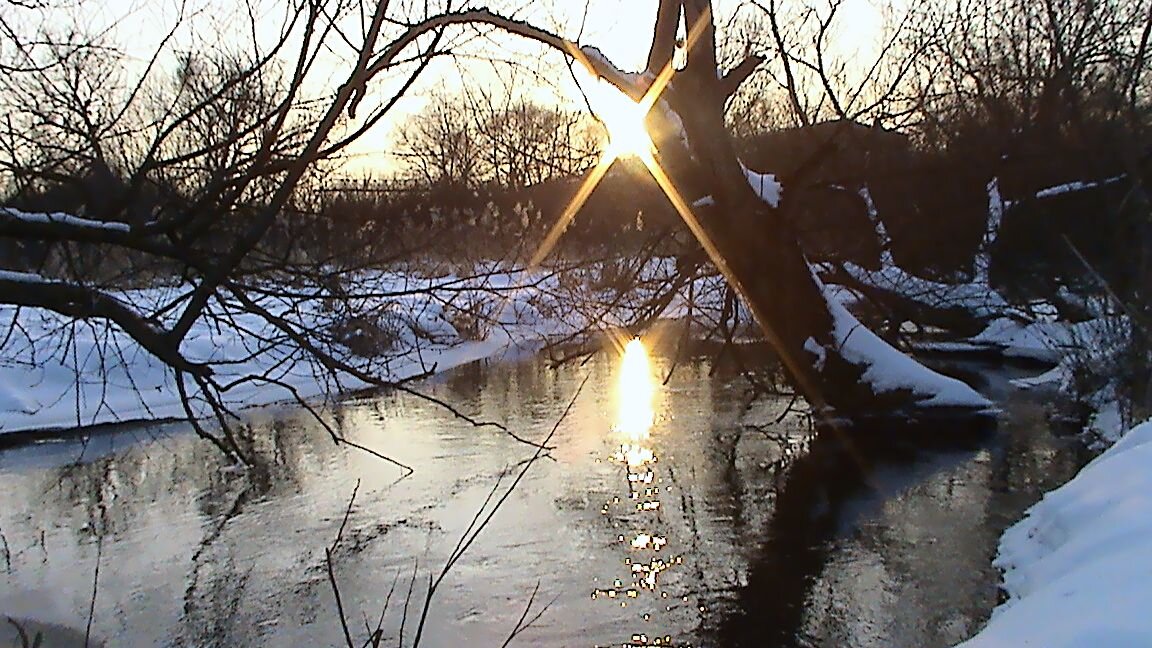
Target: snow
(765, 186)
(1078, 568)
(58, 218)
(983, 260)
(890, 370)
(882, 235)
(978, 298)
(1045, 341)
(60, 373)
(22, 277)
(995, 212)
(1078, 185)
(813, 347)
(1092, 351)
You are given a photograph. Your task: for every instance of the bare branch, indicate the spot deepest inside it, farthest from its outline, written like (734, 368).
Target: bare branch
(664, 36)
(731, 81)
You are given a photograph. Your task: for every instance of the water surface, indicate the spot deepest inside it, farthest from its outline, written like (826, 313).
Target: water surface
(659, 519)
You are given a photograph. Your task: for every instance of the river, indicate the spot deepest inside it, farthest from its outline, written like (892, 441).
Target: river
(658, 519)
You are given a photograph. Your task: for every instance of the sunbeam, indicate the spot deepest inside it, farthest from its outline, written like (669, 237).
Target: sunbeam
(631, 138)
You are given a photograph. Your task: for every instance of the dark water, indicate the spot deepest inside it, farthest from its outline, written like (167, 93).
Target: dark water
(694, 531)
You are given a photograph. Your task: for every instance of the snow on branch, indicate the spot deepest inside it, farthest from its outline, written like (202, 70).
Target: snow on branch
(975, 299)
(1078, 185)
(58, 218)
(598, 66)
(23, 277)
(889, 370)
(765, 185)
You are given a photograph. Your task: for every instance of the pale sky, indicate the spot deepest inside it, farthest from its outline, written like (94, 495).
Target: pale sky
(620, 28)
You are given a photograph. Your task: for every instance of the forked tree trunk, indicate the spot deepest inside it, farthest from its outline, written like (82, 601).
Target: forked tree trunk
(759, 254)
(833, 360)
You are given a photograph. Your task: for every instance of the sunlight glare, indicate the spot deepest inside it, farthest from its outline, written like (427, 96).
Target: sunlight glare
(624, 119)
(635, 392)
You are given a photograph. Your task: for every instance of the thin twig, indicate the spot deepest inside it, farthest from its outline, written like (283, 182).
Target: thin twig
(477, 528)
(523, 625)
(328, 551)
(95, 587)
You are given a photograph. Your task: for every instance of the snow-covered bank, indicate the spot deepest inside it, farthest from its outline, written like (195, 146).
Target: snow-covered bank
(1078, 568)
(56, 372)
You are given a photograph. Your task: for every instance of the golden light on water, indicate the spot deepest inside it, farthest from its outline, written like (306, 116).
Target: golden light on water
(639, 523)
(648, 556)
(635, 391)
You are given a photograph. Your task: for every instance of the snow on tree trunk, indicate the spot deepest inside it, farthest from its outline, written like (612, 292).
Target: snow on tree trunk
(834, 360)
(965, 308)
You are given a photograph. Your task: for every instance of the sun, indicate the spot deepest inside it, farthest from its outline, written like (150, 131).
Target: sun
(624, 119)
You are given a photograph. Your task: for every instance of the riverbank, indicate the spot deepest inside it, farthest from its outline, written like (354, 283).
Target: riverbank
(58, 373)
(1077, 567)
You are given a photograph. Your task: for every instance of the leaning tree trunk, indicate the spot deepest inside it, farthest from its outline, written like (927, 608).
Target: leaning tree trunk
(833, 360)
(757, 250)
(759, 254)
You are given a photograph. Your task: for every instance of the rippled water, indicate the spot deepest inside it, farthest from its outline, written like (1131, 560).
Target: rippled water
(659, 520)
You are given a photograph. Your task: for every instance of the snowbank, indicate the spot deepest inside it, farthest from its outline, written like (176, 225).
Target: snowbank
(890, 370)
(59, 373)
(1078, 568)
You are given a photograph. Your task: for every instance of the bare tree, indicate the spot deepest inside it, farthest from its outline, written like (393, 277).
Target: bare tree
(495, 139)
(208, 162)
(1030, 69)
(743, 235)
(440, 146)
(224, 195)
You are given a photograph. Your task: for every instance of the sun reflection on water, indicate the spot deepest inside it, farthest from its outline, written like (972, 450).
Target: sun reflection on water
(645, 540)
(635, 392)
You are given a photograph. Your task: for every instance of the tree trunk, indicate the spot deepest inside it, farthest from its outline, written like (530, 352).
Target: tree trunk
(832, 359)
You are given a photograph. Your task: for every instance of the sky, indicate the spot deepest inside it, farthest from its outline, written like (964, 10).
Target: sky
(620, 28)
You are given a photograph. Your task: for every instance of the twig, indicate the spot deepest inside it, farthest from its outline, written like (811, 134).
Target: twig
(95, 587)
(521, 625)
(328, 551)
(475, 528)
(407, 601)
(1137, 319)
(377, 634)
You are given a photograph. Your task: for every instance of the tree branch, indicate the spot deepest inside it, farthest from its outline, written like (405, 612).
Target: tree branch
(664, 36)
(82, 302)
(731, 81)
(595, 64)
